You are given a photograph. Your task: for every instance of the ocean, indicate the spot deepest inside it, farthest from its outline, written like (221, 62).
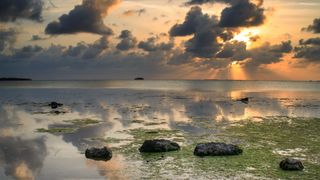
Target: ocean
(279, 119)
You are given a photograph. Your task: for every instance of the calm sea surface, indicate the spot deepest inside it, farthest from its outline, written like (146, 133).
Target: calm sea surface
(37, 142)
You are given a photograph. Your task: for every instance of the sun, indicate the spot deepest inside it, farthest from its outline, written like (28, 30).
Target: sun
(247, 35)
(234, 63)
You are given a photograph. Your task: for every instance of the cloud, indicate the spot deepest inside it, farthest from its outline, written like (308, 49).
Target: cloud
(311, 41)
(267, 54)
(27, 51)
(131, 12)
(37, 38)
(88, 51)
(241, 13)
(315, 27)
(7, 38)
(87, 17)
(11, 10)
(236, 50)
(208, 36)
(200, 2)
(128, 41)
(151, 45)
(309, 50)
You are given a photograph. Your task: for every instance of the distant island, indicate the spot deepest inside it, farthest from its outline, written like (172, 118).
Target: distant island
(14, 79)
(139, 79)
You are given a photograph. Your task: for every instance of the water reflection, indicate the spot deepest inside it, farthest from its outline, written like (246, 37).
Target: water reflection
(23, 151)
(21, 157)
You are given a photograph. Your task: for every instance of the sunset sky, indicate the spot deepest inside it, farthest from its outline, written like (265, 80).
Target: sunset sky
(164, 39)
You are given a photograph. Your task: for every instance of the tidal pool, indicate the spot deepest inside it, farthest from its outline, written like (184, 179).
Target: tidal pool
(275, 124)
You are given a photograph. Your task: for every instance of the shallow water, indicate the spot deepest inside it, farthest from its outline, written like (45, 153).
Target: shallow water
(280, 120)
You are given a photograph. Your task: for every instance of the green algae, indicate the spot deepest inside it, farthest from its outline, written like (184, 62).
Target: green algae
(63, 129)
(58, 130)
(82, 122)
(259, 160)
(154, 123)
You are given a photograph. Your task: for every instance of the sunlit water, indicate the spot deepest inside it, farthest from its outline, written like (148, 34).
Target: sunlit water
(194, 108)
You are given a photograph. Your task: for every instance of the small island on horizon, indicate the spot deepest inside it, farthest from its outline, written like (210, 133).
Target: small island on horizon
(139, 78)
(14, 79)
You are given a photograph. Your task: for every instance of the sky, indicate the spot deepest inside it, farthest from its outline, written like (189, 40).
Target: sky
(164, 39)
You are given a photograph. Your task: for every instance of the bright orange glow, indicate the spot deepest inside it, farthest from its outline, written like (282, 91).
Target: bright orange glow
(237, 72)
(246, 36)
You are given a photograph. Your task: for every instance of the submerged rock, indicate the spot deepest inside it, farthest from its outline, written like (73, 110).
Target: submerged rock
(290, 164)
(159, 145)
(216, 149)
(55, 105)
(103, 154)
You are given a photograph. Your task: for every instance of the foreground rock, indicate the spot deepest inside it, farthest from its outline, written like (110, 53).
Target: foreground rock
(290, 164)
(216, 149)
(55, 105)
(159, 145)
(103, 154)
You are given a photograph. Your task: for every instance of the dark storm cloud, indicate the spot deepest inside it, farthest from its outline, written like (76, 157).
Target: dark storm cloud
(88, 51)
(206, 33)
(27, 51)
(7, 38)
(200, 2)
(308, 49)
(128, 41)
(55, 63)
(241, 13)
(311, 41)
(151, 45)
(284, 47)
(81, 50)
(10, 10)
(87, 17)
(234, 50)
(267, 54)
(194, 21)
(315, 27)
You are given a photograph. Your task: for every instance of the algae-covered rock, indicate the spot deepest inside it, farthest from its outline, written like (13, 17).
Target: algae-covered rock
(159, 145)
(103, 154)
(290, 164)
(55, 105)
(216, 149)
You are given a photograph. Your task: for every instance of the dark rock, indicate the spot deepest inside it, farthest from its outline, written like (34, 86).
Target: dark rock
(244, 100)
(290, 164)
(139, 78)
(216, 149)
(103, 154)
(57, 112)
(55, 105)
(159, 145)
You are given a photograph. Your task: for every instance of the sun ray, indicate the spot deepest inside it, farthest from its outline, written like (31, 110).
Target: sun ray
(237, 72)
